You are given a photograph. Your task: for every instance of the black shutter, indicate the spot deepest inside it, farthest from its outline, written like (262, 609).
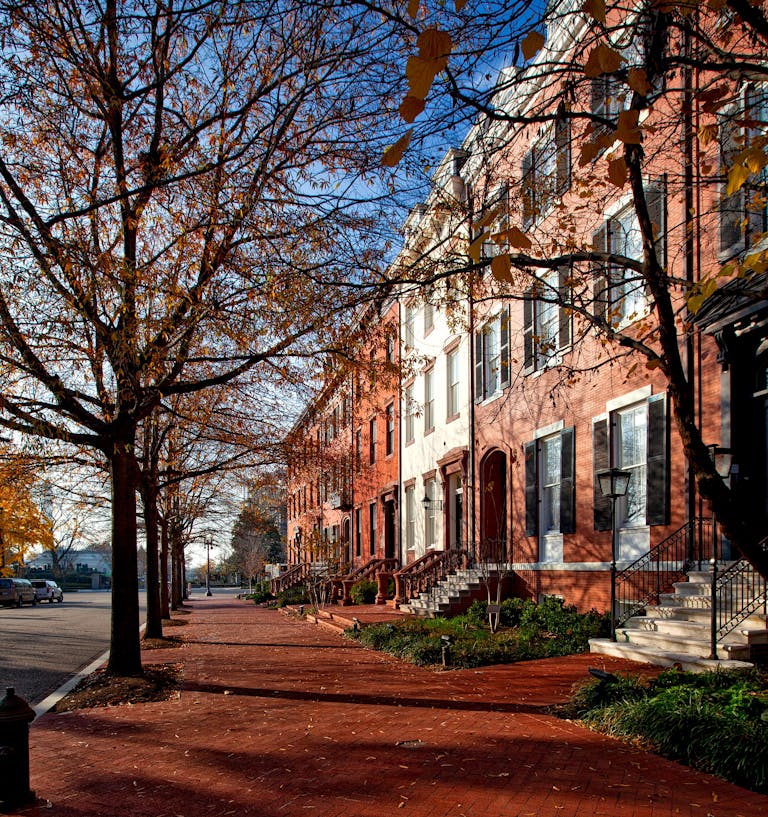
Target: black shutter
(756, 109)
(529, 352)
(599, 274)
(601, 461)
(528, 189)
(563, 155)
(566, 316)
(656, 199)
(568, 480)
(479, 380)
(504, 347)
(657, 488)
(531, 490)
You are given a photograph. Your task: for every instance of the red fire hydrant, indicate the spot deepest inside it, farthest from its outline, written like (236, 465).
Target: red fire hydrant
(15, 717)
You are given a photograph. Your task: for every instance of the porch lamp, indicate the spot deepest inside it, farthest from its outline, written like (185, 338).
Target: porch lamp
(613, 484)
(431, 504)
(722, 459)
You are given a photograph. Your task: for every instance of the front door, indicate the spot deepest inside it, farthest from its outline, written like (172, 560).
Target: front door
(389, 529)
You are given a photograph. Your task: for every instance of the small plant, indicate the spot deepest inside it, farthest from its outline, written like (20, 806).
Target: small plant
(364, 592)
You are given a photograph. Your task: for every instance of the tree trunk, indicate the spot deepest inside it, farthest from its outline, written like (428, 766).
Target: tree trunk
(165, 603)
(151, 519)
(125, 649)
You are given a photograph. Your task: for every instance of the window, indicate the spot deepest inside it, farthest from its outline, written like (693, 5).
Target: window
(410, 517)
(429, 317)
(634, 438)
(429, 400)
(372, 528)
(550, 498)
(619, 291)
(546, 320)
(492, 357)
(546, 171)
(372, 440)
(743, 214)
(358, 531)
(390, 348)
(430, 525)
(409, 326)
(494, 220)
(410, 414)
(390, 438)
(452, 383)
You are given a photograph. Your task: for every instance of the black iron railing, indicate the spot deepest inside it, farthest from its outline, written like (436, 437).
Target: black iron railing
(642, 582)
(424, 574)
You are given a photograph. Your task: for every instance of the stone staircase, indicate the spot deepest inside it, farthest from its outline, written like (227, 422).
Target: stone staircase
(677, 632)
(450, 596)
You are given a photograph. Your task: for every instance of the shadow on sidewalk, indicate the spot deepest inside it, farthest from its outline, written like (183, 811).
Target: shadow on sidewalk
(369, 700)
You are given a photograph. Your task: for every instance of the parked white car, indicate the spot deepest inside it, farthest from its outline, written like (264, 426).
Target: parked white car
(47, 589)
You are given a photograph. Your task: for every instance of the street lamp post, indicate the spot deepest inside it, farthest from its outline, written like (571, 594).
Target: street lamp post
(613, 484)
(208, 545)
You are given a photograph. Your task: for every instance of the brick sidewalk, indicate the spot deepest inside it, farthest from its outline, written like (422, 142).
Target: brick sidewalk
(280, 718)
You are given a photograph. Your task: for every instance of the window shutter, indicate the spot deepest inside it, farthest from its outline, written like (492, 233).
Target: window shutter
(566, 316)
(528, 190)
(601, 460)
(479, 385)
(656, 199)
(563, 155)
(531, 490)
(732, 208)
(529, 353)
(504, 347)
(599, 273)
(657, 489)
(568, 480)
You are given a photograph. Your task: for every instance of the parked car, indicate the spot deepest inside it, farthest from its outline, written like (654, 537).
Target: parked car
(17, 591)
(47, 590)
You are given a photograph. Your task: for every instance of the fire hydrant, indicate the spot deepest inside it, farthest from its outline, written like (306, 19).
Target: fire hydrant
(15, 717)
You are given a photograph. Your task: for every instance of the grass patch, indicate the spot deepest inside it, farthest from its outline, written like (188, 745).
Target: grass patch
(716, 722)
(527, 631)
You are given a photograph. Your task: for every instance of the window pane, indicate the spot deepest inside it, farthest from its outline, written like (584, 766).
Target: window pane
(632, 427)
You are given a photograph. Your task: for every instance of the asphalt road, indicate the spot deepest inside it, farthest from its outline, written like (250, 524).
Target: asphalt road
(41, 647)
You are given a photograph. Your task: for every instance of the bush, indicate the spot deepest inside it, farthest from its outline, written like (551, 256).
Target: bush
(711, 721)
(364, 592)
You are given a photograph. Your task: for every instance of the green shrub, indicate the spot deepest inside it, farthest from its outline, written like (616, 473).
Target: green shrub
(364, 592)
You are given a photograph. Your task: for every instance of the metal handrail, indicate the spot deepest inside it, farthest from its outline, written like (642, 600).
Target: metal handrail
(425, 573)
(737, 593)
(642, 582)
(371, 569)
(291, 578)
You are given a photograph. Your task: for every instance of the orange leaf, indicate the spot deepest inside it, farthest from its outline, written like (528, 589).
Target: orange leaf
(460, 4)
(532, 43)
(518, 239)
(476, 247)
(627, 131)
(434, 44)
(589, 152)
(421, 74)
(617, 172)
(736, 177)
(410, 108)
(602, 60)
(394, 153)
(413, 7)
(637, 79)
(595, 9)
(501, 267)
(707, 134)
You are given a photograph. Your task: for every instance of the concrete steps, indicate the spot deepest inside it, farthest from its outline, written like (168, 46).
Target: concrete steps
(452, 596)
(676, 632)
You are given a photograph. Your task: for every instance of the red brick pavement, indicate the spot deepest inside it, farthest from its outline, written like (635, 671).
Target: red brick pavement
(280, 718)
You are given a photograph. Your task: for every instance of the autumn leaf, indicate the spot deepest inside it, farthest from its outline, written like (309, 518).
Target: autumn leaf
(595, 9)
(410, 108)
(394, 153)
(654, 363)
(434, 44)
(501, 267)
(754, 158)
(617, 172)
(737, 175)
(602, 60)
(413, 8)
(637, 79)
(460, 4)
(532, 43)
(707, 134)
(628, 131)
(518, 239)
(476, 247)
(589, 152)
(421, 74)
(488, 217)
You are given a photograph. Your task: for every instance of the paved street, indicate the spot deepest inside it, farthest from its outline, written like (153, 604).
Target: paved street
(280, 718)
(43, 646)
